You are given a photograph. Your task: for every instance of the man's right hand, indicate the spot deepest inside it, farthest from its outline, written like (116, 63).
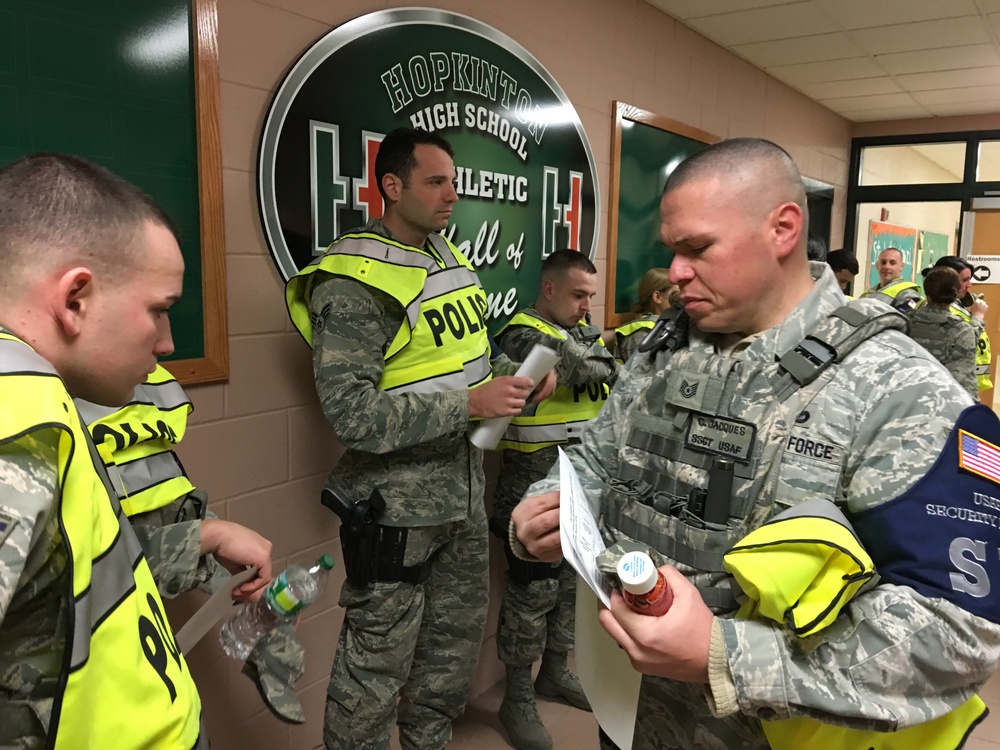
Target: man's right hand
(536, 520)
(504, 396)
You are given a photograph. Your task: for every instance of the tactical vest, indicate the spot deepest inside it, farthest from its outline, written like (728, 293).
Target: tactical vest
(137, 442)
(704, 407)
(559, 418)
(889, 294)
(124, 683)
(800, 569)
(442, 344)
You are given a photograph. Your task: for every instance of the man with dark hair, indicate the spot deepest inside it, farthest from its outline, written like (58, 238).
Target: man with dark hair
(396, 155)
(777, 401)
(91, 269)
(536, 617)
(845, 267)
(395, 316)
(891, 289)
(816, 249)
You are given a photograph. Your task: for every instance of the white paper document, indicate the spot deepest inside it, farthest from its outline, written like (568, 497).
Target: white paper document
(536, 365)
(604, 669)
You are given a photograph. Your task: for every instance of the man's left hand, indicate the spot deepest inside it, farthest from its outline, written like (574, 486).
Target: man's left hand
(674, 645)
(545, 388)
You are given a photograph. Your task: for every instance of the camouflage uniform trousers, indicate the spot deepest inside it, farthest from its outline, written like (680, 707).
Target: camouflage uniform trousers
(693, 728)
(419, 644)
(538, 616)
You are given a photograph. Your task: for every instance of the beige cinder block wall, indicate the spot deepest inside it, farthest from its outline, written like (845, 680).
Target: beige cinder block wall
(259, 444)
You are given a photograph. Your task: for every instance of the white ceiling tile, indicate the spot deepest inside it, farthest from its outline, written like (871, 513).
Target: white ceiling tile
(802, 49)
(855, 87)
(905, 37)
(950, 58)
(860, 14)
(864, 59)
(821, 72)
(764, 24)
(950, 79)
(686, 9)
(989, 95)
(894, 113)
(861, 103)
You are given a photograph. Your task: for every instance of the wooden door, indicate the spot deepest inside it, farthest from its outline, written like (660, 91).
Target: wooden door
(986, 241)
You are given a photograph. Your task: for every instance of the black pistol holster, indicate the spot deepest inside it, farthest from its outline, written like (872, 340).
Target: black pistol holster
(372, 552)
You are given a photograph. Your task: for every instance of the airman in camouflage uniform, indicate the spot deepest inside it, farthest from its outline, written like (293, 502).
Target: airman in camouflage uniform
(951, 340)
(859, 421)
(165, 510)
(537, 613)
(415, 603)
(70, 233)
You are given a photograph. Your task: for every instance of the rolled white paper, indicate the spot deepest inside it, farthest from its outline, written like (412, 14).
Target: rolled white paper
(540, 360)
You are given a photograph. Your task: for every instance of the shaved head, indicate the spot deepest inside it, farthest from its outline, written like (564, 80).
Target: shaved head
(758, 172)
(58, 211)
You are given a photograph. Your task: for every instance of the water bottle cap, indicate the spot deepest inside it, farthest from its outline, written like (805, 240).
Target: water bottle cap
(326, 562)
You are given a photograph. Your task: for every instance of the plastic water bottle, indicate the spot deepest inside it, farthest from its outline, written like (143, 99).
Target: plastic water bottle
(286, 596)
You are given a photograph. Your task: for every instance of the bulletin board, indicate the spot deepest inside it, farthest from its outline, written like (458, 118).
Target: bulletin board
(645, 149)
(930, 247)
(882, 235)
(133, 86)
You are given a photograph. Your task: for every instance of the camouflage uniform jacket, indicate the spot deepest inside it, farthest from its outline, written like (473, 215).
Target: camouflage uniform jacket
(413, 447)
(892, 658)
(950, 340)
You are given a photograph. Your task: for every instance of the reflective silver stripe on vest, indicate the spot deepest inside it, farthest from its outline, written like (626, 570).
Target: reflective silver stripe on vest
(547, 433)
(17, 357)
(472, 374)
(143, 473)
(164, 396)
(448, 280)
(111, 577)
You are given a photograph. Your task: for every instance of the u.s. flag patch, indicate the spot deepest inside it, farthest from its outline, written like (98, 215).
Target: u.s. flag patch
(978, 456)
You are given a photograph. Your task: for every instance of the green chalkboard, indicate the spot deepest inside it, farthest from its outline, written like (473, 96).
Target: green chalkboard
(129, 84)
(645, 150)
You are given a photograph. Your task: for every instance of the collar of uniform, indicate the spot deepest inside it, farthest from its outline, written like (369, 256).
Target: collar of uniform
(532, 311)
(889, 283)
(769, 345)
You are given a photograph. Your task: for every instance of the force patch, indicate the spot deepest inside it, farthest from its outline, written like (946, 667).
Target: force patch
(7, 524)
(978, 456)
(802, 444)
(722, 437)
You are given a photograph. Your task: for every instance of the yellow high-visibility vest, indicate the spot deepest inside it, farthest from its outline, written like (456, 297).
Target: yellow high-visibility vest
(125, 683)
(559, 418)
(443, 344)
(800, 569)
(137, 442)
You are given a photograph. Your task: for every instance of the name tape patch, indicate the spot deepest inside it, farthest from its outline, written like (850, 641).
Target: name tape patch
(722, 437)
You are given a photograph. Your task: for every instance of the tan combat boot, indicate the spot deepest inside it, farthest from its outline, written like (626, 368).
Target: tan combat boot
(518, 712)
(556, 681)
